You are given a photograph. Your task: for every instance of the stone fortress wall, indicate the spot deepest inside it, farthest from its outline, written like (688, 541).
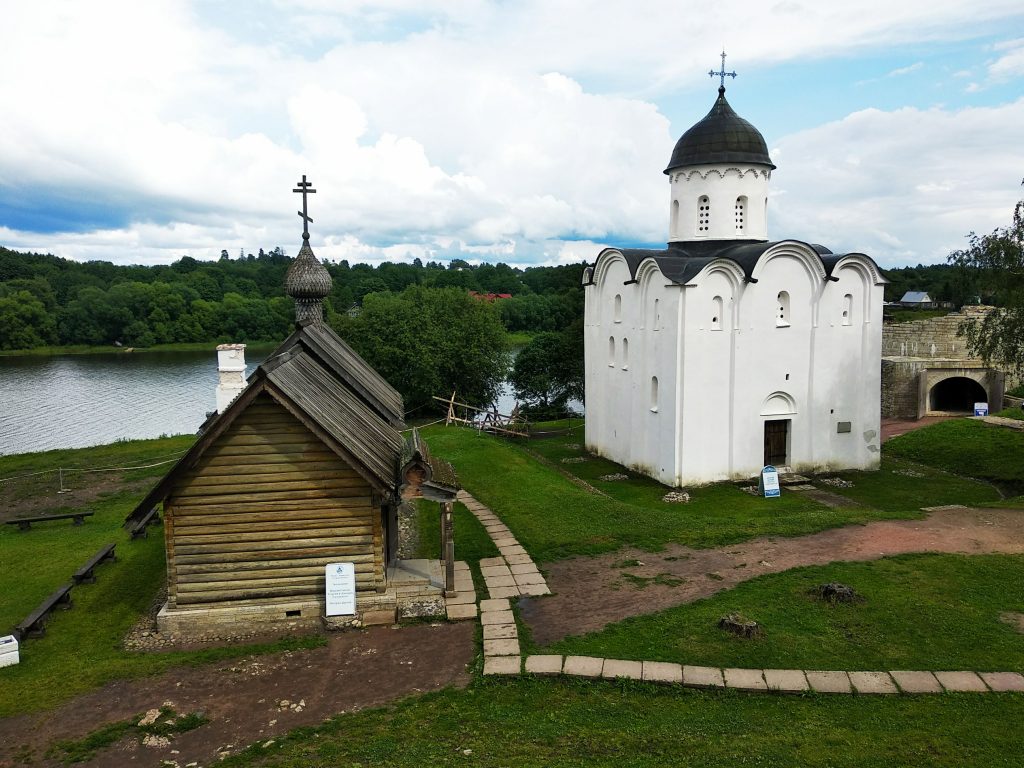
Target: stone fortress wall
(918, 355)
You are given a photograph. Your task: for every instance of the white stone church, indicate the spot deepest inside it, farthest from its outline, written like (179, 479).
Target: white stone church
(725, 352)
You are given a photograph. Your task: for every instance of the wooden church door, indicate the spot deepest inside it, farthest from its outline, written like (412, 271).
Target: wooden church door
(776, 432)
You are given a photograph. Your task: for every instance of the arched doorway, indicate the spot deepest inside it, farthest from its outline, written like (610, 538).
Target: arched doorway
(957, 394)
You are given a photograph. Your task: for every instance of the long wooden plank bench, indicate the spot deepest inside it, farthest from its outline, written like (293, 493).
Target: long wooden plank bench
(34, 624)
(139, 529)
(24, 523)
(84, 575)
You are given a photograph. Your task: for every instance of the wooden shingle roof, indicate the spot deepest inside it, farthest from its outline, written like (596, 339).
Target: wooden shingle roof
(339, 397)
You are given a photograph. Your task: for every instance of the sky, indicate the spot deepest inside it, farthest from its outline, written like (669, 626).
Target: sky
(524, 131)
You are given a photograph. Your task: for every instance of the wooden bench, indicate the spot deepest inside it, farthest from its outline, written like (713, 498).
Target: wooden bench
(140, 528)
(24, 523)
(35, 624)
(84, 574)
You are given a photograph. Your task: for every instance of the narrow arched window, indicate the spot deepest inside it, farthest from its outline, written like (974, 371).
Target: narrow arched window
(848, 309)
(625, 354)
(618, 308)
(675, 217)
(656, 316)
(741, 213)
(611, 351)
(782, 309)
(654, 393)
(703, 215)
(717, 306)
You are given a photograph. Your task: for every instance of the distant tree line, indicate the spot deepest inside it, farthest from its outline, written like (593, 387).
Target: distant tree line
(955, 283)
(46, 300)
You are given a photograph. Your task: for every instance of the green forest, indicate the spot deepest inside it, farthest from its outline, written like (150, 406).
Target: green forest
(48, 301)
(51, 301)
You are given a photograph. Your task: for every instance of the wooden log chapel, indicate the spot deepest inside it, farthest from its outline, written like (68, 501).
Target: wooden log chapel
(306, 467)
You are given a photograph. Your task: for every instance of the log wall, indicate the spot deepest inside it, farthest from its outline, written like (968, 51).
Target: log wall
(265, 509)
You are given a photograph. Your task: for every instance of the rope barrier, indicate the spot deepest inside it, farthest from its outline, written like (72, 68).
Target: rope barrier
(175, 455)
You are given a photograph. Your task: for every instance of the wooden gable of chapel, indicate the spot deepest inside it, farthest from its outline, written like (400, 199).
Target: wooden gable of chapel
(263, 510)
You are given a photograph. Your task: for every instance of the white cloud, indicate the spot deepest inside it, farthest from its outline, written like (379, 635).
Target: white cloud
(902, 185)
(524, 130)
(1010, 63)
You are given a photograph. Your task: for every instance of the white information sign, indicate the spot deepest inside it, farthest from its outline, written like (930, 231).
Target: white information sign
(341, 589)
(770, 482)
(981, 409)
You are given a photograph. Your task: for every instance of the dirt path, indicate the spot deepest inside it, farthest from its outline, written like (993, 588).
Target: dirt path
(896, 427)
(242, 697)
(590, 592)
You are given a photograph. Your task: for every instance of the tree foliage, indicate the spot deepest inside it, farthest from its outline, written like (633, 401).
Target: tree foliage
(239, 299)
(431, 341)
(548, 372)
(998, 261)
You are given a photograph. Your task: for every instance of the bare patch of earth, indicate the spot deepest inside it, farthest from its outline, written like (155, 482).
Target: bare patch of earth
(896, 427)
(40, 495)
(243, 698)
(592, 592)
(1014, 619)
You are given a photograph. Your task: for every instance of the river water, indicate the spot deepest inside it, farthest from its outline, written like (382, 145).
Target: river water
(74, 401)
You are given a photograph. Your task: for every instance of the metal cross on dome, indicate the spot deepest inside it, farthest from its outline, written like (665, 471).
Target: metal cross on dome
(305, 188)
(723, 74)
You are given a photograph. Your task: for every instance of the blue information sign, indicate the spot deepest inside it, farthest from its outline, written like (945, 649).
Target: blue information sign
(770, 482)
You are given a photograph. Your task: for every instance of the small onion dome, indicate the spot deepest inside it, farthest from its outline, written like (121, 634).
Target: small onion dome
(307, 278)
(721, 137)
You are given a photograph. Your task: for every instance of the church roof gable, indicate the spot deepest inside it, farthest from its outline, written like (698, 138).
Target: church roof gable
(680, 263)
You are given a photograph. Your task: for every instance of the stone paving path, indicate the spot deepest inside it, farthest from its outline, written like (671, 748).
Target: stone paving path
(766, 680)
(462, 605)
(502, 653)
(513, 573)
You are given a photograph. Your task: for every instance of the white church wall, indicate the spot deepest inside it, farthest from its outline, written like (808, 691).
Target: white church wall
(708, 382)
(848, 346)
(653, 443)
(774, 360)
(705, 202)
(627, 423)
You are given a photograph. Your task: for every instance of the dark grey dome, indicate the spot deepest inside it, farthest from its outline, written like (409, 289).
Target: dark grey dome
(307, 278)
(721, 137)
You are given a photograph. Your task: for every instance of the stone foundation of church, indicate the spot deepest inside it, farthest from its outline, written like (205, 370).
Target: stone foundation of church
(415, 590)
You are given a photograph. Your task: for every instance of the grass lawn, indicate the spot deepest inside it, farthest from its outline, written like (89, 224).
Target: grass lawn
(519, 338)
(901, 484)
(555, 518)
(82, 647)
(1011, 413)
(967, 447)
(920, 612)
(472, 543)
(577, 723)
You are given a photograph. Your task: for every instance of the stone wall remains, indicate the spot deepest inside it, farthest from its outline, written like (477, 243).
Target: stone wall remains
(935, 337)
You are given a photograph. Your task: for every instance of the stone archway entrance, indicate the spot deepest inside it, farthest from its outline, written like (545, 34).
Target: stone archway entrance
(957, 394)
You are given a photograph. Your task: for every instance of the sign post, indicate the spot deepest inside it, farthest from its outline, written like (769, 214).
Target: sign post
(981, 409)
(340, 589)
(769, 484)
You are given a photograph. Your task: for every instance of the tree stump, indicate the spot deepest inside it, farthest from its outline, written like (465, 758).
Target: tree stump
(740, 625)
(834, 592)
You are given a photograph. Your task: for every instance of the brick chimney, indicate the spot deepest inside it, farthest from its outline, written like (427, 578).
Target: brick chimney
(230, 373)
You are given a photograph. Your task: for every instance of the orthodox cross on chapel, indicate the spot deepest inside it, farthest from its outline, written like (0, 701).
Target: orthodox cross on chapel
(721, 74)
(304, 188)
(308, 282)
